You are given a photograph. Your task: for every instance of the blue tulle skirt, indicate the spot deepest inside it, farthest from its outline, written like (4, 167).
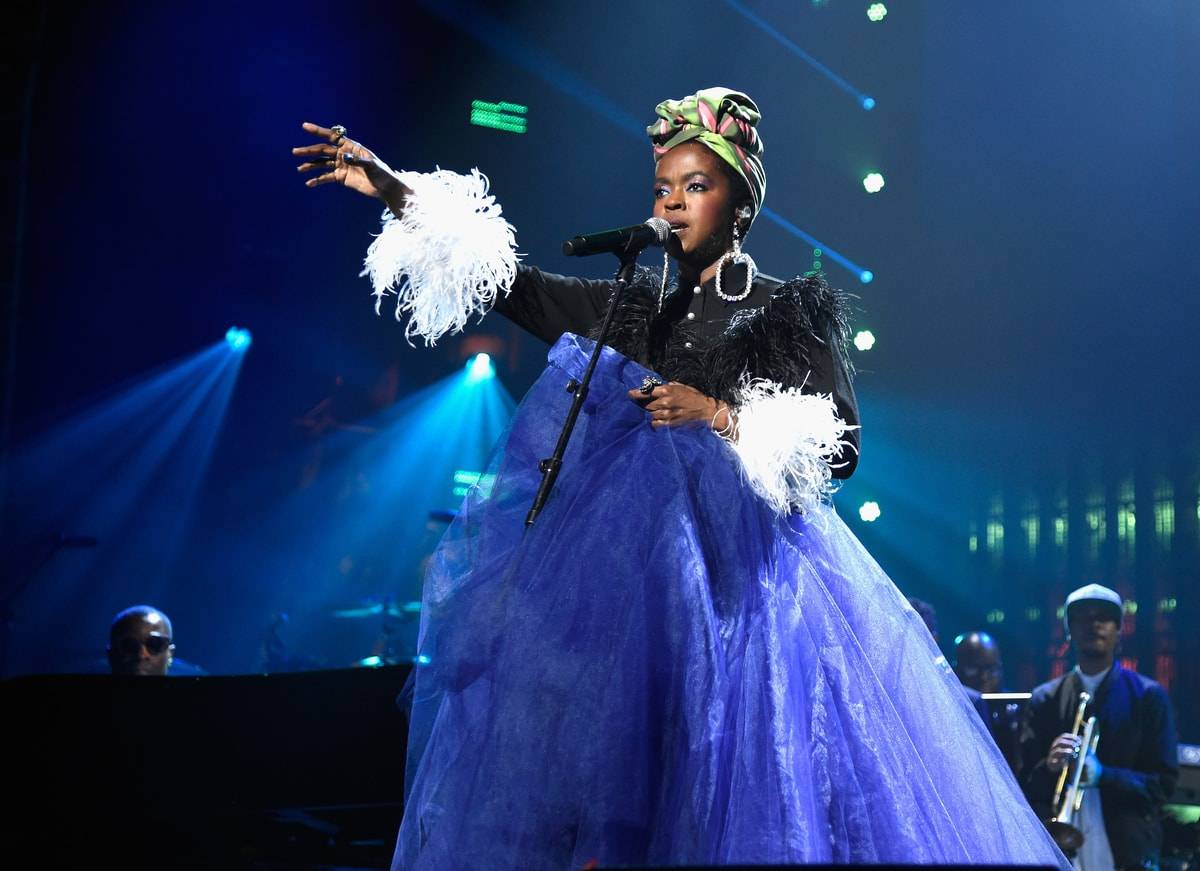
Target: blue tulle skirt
(662, 671)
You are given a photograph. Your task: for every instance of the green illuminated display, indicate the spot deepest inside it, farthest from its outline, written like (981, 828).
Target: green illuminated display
(499, 116)
(465, 479)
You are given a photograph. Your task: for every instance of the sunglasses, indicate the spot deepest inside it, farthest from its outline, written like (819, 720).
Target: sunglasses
(131, 647)
(981, 669)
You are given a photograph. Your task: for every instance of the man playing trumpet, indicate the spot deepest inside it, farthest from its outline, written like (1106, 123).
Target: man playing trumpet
(1134, 767)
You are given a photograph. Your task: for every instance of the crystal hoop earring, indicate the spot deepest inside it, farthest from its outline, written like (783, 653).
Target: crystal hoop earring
(737, 255)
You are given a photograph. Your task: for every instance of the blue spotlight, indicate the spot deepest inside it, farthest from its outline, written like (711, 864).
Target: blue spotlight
(771, 215)
(866, 276)
(238, 338)
(484, 26)
(765, 26)
(869, 511)
(480, 368)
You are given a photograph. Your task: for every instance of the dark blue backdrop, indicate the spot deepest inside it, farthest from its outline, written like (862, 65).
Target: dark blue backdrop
(1034, 299)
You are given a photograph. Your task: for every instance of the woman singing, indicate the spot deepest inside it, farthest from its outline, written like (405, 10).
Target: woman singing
(688, 659)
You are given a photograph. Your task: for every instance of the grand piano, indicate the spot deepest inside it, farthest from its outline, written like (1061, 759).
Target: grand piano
(302, 770)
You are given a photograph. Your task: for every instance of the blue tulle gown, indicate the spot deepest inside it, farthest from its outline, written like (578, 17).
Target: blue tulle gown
(662, 671)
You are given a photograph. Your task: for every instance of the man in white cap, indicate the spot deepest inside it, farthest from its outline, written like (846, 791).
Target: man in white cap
(1135, 766)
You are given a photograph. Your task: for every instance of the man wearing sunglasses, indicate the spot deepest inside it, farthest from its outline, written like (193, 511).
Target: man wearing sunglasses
(139, 642)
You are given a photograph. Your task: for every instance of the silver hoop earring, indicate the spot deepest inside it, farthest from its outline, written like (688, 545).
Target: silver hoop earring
(662, 290)
(737, 255)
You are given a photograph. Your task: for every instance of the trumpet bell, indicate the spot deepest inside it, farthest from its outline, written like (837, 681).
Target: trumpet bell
(1068, 838)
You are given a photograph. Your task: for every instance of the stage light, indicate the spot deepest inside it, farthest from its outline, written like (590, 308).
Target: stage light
(877, 12)
(868, 103)
(826, 251)
(864, 340)
(128, 469)
(764, 25)
(866, 276)
(869, 512)
(873, 182)
(499, 116)
(464, 480)
(238, 338)
(1033, 614)
(480, 368)
(995, 616)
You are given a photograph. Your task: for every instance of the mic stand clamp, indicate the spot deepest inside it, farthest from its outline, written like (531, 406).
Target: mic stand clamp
(550, 466)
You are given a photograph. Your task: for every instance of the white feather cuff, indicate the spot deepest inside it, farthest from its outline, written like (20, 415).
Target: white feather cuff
(787, 442)
(447, 257)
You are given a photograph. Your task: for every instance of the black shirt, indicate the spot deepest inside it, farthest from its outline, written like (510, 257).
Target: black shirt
(692, 339)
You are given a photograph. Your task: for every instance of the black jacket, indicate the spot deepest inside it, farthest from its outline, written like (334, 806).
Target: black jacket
(792, 333)
(1138, 749)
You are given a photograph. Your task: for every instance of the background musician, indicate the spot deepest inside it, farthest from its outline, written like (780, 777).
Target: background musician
(1137, 765)
(980, 669)
(142, 642)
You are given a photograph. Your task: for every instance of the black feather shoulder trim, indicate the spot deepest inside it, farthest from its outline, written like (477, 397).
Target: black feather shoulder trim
(777, 341)
(633, 323)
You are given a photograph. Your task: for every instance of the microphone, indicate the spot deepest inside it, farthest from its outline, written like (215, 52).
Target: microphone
(623, 240)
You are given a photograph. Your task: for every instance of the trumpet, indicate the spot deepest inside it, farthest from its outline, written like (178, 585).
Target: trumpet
(1068, 796)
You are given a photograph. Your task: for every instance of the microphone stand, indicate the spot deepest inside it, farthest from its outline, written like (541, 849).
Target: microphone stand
(550, 466)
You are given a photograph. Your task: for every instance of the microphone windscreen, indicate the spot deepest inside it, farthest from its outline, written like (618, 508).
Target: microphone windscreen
(661, 228)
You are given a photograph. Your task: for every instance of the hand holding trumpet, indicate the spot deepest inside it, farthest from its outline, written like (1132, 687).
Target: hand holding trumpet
(1065, 748)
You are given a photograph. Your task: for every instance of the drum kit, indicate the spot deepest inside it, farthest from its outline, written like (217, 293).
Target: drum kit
(369, 632)
(387, 648)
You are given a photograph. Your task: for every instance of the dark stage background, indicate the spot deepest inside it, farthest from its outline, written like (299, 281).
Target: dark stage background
(1029, 406)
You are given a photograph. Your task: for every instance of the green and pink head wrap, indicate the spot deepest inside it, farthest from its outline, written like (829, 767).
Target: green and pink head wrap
(724, 121)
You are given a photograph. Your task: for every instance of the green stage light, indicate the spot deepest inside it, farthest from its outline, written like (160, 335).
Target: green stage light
(877, 12)
(509, 117)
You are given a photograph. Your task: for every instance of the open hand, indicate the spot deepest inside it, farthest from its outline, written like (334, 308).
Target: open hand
(351, 164)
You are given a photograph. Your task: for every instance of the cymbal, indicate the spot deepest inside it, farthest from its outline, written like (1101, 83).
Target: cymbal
(383, 661)
(376, 608)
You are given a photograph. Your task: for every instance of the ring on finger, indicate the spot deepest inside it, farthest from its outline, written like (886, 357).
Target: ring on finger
(339, 133)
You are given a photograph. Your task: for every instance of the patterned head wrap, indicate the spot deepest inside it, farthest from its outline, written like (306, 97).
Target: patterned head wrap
(724, 121)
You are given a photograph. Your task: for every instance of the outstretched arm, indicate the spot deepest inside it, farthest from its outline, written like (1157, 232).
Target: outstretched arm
(341, 160)
(445, 252)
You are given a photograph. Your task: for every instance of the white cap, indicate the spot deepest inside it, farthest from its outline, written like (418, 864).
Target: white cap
(1093, 593)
